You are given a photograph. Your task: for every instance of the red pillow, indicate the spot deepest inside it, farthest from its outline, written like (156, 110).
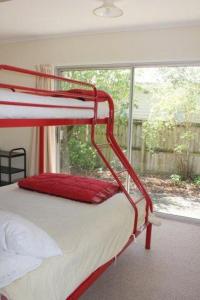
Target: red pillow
(84, 189)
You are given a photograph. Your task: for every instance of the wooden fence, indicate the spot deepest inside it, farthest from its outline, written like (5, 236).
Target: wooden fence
(164, 160)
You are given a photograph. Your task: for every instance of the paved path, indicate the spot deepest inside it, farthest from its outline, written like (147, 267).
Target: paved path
(177, 205)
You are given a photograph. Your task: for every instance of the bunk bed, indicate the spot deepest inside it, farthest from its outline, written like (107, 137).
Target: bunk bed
(22, 106)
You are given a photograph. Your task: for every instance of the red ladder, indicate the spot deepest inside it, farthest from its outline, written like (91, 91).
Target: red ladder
(112, 143)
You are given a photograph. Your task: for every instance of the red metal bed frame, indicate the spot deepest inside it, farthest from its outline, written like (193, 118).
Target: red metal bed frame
(88, 95)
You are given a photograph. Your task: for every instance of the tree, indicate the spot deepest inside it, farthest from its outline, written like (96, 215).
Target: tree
(178, 105)
(115, 82)
(75, 150)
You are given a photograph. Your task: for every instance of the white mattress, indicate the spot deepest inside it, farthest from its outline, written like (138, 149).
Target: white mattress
(89, 236)
(23, 112)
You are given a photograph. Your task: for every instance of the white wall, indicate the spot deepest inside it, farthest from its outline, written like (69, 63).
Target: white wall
(176, 44)
(163, 45)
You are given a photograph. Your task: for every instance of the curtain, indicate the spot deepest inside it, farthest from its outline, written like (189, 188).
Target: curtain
(50, 131)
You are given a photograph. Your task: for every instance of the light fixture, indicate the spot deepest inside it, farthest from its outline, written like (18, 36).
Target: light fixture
(108, 10)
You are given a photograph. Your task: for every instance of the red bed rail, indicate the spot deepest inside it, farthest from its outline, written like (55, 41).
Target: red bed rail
(86, 95)
(43, 75)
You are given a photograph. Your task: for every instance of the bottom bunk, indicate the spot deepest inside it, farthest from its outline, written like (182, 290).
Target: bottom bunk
(89, 236)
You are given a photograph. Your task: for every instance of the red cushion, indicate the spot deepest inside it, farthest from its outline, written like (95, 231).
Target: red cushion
(77, 188)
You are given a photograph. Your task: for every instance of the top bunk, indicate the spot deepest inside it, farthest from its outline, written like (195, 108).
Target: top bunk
(22, 106)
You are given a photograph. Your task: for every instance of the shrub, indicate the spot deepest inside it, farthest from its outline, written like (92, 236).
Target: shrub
(176, 179)
(197, 180)
(82, 155)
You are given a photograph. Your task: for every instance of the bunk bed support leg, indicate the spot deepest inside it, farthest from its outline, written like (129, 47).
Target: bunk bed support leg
(148, 236)
(41, 150)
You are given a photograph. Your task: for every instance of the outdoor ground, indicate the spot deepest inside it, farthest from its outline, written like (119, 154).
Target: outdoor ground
(165, 185)
(182, 199)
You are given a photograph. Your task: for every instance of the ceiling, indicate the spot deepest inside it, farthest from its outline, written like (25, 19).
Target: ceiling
(32, 19)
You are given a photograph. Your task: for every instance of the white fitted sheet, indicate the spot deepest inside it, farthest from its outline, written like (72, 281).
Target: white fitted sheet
(23, 112)
(89, 236)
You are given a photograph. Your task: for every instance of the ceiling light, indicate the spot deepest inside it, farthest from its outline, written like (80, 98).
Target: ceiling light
(108, 10)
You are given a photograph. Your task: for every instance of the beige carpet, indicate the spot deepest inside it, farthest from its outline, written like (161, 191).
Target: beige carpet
(169, 271)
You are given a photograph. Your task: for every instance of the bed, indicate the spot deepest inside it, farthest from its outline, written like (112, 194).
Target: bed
(88, 250)
(69, 223)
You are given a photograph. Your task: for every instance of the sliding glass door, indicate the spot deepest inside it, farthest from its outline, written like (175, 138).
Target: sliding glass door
(157, 124)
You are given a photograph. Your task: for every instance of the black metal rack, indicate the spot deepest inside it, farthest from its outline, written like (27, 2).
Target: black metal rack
(8, 169)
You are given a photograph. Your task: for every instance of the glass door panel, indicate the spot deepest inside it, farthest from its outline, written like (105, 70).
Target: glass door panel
(166, 136)
(77, 154)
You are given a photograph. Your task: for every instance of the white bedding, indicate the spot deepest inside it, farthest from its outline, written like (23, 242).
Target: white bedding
(23, 112)
(89, 235)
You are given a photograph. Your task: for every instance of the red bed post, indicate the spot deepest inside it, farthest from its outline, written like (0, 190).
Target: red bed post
(41, 150)
(148, 236)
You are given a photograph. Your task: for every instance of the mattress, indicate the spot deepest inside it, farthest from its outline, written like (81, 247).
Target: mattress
(26, 112)
(89, 236)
